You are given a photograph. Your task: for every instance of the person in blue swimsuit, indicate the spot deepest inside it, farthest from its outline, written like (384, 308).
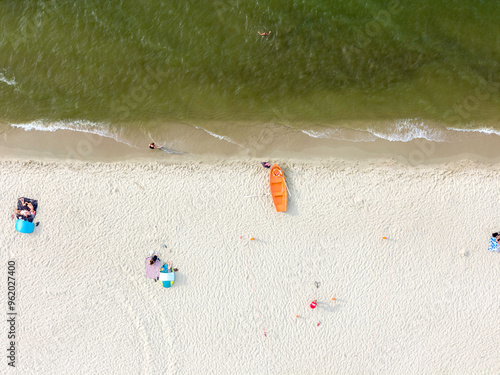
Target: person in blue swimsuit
(494, 243)
(168, 266)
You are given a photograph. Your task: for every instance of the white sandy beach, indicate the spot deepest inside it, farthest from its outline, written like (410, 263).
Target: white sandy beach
(424, 301)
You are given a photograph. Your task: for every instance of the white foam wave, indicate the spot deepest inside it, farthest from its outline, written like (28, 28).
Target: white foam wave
(341, 135)
(221, 137)
(83, 126)
(404, 130)
(477, 130)
(10, 82)
(407, 130)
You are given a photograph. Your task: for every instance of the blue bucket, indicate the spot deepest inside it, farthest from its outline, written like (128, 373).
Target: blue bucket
(24, 226)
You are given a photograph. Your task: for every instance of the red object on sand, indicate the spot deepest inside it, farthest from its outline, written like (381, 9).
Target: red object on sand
(313, 304)
(317, 325)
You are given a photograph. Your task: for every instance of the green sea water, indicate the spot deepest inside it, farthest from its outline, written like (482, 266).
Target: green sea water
(129, 64)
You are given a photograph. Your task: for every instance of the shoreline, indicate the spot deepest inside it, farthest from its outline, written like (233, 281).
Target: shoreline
(292, 145)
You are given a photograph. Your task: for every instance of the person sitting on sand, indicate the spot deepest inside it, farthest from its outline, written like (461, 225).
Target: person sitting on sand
(154, 259)
(152, 146)
(494, 243)
(28, 212)
(266, 164)
(169, 267)
(264, 33)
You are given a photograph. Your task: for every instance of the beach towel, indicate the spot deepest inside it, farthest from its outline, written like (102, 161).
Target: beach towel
(153, 270)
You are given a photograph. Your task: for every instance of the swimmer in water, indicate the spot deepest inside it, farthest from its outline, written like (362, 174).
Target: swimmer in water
(152, 146)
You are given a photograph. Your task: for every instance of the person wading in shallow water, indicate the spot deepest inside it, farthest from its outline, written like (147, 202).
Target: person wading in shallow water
(494, 243)
(152, 146)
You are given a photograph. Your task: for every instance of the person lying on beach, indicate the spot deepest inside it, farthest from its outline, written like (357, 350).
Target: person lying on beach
(264, 33)
(154, 259)
(266, 164)
(169, 267)
(28, 212)
(494, 243)
(152, 146)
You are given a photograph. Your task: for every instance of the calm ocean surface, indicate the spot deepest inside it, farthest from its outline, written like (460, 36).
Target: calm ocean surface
(343, 69)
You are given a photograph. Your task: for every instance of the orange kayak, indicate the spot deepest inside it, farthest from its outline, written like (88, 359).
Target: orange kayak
(278, 188)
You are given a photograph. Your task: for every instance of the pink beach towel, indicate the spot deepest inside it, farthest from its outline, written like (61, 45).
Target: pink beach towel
(153, 270)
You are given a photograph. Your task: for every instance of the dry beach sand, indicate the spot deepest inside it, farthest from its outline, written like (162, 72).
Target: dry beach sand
(423, 301)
